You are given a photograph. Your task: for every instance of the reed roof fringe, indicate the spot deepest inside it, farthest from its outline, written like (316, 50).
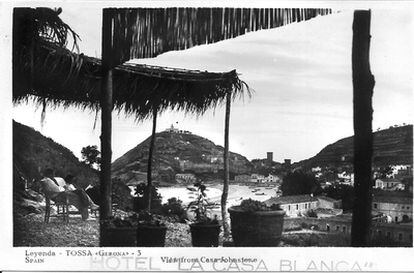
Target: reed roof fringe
(63, 78)
(146, 33)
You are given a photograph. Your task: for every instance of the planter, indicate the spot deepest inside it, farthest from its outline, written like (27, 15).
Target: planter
(258, 228)
(119, 236)
(205, 235)
(152, 236)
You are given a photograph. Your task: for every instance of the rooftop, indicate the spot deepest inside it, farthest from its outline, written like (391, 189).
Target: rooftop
(390, 180)
(395, 199)
(326, 198)
(291, 199)
(328, 211)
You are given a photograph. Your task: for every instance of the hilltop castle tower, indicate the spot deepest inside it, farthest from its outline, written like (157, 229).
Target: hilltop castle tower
(269, 157)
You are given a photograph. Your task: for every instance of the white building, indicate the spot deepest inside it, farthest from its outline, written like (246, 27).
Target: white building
(272, 178)
(295, 205)
(257, 178)
(389, 184)
(346, 178)
(300, 205)
(185, 178)
(396, 208)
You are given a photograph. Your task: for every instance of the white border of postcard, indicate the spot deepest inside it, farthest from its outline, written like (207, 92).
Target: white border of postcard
(184, 259)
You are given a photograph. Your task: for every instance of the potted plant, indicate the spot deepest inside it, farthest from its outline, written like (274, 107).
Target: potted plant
(120, 231)
(151, 230)
(204, 230)
(253, 223)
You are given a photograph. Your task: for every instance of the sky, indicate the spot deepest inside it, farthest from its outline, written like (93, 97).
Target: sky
(300, 73)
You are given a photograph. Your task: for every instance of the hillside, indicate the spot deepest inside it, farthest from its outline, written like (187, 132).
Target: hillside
(33, 152)
(391, 147)
(177, 153)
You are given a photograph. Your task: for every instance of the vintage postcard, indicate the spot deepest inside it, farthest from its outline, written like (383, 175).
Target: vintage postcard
(214, 136)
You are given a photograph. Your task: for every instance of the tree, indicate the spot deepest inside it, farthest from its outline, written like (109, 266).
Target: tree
(299, 182)
(141, 200)
(91, 156)
(344, 192)
(363, 88)
(384, 172)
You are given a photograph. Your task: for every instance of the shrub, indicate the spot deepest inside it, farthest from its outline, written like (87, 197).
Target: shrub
(254, 205)
(201, 207)
(312, 213)
(173, 207)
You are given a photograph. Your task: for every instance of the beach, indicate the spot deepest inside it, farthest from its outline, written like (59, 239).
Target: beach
(237, 193)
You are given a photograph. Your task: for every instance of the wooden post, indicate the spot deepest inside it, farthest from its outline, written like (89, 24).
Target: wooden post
(363, 82)
(225, 193)
(105, 209)
(150, 155)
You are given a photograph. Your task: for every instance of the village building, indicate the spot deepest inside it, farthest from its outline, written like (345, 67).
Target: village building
(328, 202)
(185, 178)
(295, 205)
(272, 178)
(396, 208)
(257, 178)
(301, 205)
(346, 178)
(389, 184)
(401, 171)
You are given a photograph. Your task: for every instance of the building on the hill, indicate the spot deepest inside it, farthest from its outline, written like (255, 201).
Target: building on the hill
(269, 157)
(346, 178)
(287, 164)
(172, 129)
(401, 171)
(397, 208)
(389, 184)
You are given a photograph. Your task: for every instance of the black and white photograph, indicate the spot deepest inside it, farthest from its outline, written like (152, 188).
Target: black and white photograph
(210, 128)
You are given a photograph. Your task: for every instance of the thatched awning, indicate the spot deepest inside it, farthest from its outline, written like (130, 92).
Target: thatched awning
(62, 78)
(148, 32)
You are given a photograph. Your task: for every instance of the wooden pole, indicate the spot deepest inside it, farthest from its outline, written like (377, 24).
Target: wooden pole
(224, 214)
(150, 156)
(105, 209)
(363, 82)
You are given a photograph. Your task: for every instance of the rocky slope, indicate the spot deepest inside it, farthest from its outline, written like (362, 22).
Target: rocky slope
(33, 152)
(391, 147)
(177, 153)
